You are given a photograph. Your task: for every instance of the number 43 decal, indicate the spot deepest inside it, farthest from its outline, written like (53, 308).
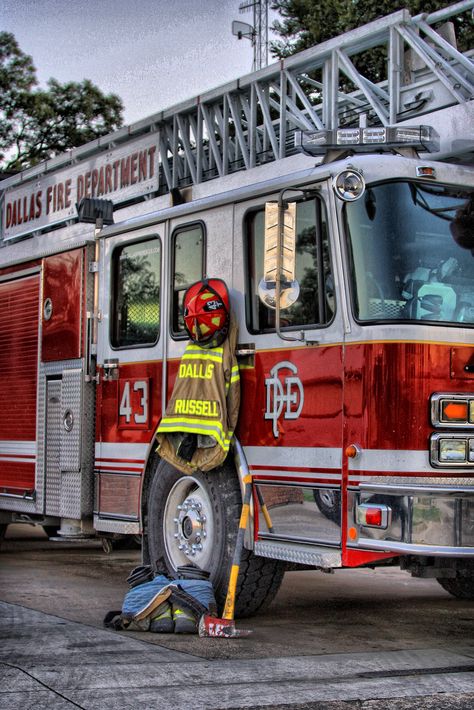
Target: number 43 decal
(134, 404)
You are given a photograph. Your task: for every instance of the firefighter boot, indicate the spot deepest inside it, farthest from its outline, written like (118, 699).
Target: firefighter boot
(184, 621)
(163, 623)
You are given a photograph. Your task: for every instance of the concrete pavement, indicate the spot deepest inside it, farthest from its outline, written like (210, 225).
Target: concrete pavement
(50, 663)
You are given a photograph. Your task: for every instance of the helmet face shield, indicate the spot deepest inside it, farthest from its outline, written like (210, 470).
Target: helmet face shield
(206, 310)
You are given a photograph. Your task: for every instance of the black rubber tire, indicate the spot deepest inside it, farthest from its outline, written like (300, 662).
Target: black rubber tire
(128, 542)
(51, 530)
(259, 578)
(461, 587)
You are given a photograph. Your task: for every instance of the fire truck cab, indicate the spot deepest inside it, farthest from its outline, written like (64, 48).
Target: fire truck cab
(348, 252)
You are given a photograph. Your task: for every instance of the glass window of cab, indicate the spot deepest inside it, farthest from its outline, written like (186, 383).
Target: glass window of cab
(411, 247)
(315, 305)
(188, 267)
(136, 294)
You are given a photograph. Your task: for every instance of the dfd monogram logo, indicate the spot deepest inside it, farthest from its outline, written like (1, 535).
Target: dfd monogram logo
(285, 396)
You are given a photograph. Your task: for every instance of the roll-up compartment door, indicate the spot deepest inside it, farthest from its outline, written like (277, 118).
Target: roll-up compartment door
(19, 318)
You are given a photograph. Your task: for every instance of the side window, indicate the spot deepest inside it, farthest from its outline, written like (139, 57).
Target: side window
(136, 294)
(188, 267)
(315, 304)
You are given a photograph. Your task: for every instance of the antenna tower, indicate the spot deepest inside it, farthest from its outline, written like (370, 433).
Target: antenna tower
(260, 33)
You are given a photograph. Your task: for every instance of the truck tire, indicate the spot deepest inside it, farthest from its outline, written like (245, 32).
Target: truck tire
(194, 519)
(329, 503)
(460, 586)
(3, 530)
(51, 530)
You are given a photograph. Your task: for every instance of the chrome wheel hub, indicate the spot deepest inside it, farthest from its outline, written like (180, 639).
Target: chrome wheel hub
(188, 524)
(190, 527)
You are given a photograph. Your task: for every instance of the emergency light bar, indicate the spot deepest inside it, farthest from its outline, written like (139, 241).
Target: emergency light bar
(423, 138)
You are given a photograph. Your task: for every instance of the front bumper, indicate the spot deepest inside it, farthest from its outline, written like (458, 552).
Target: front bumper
(423, 520)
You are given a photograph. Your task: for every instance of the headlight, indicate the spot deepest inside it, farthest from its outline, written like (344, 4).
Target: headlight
(452, 450)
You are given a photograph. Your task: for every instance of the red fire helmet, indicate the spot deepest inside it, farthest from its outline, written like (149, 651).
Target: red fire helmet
(206, 309)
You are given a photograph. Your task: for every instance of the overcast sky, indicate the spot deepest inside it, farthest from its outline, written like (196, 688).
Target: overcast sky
(152, 53)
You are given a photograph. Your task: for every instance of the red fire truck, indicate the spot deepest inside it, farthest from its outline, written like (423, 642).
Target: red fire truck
(340, 214)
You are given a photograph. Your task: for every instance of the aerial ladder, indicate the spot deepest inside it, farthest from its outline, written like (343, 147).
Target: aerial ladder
(252, 120)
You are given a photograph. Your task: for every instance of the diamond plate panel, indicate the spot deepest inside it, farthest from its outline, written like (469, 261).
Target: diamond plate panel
(116, 526)
(461, 480)
(317, 557)
(18, 505)
(77, 451)
(52, 447)
(71, 417)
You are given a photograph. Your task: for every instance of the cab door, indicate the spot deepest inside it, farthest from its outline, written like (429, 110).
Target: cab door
(130, 369)
(291, 406)
(200, 246)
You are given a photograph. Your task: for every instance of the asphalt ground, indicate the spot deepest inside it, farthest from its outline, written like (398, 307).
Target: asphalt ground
(356, 639)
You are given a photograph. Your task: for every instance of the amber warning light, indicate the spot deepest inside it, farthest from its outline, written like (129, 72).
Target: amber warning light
(452, 410)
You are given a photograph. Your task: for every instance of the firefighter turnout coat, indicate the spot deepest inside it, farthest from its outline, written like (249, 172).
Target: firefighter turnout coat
(205, 402)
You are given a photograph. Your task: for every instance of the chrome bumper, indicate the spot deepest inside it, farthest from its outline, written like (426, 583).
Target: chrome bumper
(423, 520)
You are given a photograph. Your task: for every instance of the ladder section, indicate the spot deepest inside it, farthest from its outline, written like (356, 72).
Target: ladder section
(253, 120)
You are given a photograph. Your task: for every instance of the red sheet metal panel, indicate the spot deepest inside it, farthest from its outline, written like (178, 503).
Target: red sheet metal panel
(19, 317)
(63, 290)
(119, 495)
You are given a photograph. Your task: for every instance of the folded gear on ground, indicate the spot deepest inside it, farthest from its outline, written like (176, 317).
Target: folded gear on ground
(149, 605)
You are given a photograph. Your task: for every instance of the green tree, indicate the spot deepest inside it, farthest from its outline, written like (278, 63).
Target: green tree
(37, 124)
(17, 79)
(306, 23)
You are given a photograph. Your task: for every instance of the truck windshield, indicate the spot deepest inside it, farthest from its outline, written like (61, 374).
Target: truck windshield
(412, 253)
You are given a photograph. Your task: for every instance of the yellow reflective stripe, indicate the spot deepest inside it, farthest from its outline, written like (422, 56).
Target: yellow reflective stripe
(202, 356)
(197, 427)
(197, 430)
(209, 423)
(197, 348)
(234, 377)
(194, 346)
